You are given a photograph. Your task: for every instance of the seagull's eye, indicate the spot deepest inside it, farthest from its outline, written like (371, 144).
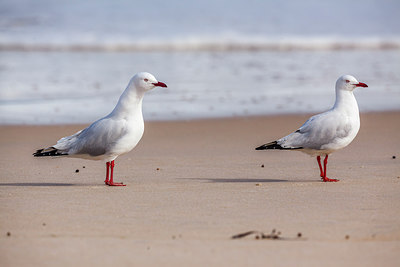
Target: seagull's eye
(146, 80)
(347, 81)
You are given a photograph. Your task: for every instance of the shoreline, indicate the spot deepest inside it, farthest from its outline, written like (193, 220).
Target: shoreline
(194, 120)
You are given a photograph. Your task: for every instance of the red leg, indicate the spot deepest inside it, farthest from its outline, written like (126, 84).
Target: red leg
(320, 166)
(107, 172)
(111, 182)
(324, 178)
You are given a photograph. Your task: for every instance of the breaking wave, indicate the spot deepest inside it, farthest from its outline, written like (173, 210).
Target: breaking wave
(207, 45)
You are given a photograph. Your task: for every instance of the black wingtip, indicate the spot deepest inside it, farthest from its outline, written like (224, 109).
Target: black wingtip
(46, 152)
(275, 145)
(271, 145)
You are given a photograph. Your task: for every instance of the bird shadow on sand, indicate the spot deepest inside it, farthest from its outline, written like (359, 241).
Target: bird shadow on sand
(33, 184)
(249, 180)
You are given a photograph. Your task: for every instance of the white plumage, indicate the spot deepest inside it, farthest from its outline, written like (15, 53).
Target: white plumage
(327, 132)
(111, 136)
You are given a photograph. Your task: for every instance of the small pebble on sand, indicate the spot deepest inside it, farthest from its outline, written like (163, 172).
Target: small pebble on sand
(347, 237)
(299, 234)
(76, 170)
(8, 234)
(262, 166)
(393, 157)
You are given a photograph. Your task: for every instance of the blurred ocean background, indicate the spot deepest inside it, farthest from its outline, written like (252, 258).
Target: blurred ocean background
(69, 61)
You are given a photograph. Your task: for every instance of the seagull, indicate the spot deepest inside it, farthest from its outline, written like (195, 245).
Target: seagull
(329, 131)
(113, 135)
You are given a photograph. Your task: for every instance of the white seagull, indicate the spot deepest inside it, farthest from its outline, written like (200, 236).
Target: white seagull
(115, 134)
(327, 132)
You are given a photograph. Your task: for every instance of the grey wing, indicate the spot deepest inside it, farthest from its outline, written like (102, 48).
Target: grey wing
(95, 140)
(66, 143)
(316, 132)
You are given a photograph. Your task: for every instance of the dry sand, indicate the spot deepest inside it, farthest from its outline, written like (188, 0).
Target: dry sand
(210, 185)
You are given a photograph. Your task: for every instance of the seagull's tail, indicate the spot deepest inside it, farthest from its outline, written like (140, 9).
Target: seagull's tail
(275, 145)
(50, 151)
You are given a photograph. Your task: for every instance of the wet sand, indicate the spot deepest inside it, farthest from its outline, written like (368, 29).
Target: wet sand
(191, 186)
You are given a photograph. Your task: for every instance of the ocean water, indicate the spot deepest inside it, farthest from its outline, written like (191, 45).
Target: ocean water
(181, 24)
(68, 61)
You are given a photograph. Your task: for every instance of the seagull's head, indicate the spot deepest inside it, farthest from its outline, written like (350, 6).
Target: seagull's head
(145, 81)
(348, 83)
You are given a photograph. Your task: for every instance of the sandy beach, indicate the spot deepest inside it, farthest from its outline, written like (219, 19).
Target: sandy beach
(191, 186)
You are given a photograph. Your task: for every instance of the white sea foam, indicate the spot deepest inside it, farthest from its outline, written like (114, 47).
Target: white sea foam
(244, 43)
(79, 87)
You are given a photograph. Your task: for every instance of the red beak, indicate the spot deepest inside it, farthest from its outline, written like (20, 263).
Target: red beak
(361, 85)
(160, 84)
